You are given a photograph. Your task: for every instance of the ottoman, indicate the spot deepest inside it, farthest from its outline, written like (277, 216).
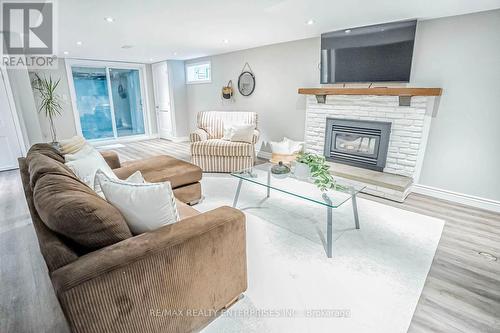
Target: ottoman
(184, 176)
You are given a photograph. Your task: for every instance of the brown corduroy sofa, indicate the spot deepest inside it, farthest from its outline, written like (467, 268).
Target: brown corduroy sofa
(173, 279)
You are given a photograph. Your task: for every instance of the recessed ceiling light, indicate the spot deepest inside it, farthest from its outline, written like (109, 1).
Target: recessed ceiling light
(79, 43)
(225, 41)
(175, 53)
(348, 31)
(109, 19)
(66, 52)
(310, 22)
(127, 46)
(150, 59)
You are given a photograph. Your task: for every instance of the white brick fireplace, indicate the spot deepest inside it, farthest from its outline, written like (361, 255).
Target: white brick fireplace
(409, 132)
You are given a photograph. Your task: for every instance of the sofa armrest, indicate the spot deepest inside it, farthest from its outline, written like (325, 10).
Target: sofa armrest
(256, 136)
(111, 158)
(198, 135)
(198, 263)
(146, 245)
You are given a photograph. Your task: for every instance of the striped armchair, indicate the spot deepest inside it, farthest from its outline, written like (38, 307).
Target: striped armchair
(213, 154)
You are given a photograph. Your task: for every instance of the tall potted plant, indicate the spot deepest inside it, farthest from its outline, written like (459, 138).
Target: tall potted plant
(50, 101)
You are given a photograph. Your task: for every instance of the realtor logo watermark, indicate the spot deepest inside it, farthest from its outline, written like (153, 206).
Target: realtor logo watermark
(28, 34)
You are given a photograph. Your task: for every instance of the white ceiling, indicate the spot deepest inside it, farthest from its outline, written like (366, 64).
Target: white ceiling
(185, 29)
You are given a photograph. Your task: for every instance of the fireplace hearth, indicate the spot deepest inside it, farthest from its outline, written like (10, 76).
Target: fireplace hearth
(358, 143)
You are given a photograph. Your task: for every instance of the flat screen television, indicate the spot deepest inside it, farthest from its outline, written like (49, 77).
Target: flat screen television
(376, 53)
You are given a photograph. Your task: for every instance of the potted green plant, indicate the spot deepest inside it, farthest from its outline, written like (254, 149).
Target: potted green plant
(316, 168)
(50, 101)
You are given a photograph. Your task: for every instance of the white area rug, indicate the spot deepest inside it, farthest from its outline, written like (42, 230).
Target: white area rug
(372, 284)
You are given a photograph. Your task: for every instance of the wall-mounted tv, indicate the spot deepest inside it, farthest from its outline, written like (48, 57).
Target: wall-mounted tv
(376, 53)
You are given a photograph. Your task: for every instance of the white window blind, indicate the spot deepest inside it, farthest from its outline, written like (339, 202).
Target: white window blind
(199, 72)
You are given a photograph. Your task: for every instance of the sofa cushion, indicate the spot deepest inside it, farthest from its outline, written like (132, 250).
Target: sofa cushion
(72, 209)
(188, 193)
(47, 150)
(216, 147)
(185, 211)
(55, 251)
(162, 168)
(39, 165)
(111, 158)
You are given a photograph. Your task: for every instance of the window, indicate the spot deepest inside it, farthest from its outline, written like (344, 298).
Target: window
(199, 72)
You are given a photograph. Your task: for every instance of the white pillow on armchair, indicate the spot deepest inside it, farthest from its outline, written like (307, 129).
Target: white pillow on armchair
(238, 132)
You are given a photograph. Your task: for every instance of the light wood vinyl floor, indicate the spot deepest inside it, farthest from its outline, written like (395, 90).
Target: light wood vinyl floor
(461, 294)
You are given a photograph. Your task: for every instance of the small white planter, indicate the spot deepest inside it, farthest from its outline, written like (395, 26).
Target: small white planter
(302, 171)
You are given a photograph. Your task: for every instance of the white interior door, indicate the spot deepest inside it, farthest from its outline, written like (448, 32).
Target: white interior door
(162, 100)
(10, 148)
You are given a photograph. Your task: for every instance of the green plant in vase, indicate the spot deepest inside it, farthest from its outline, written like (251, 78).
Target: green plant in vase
(319, 171)
(50, 101)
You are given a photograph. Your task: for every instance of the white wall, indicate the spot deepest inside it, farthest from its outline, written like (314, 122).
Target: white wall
(460, 54)
(177, 83)
(25, 105)
(279, 70)
(65, 124)
(151, 100)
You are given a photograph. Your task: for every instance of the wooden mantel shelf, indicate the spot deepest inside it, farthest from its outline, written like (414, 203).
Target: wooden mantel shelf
(394, 91)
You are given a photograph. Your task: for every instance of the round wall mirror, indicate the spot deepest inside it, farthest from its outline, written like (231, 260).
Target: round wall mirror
(246, 83)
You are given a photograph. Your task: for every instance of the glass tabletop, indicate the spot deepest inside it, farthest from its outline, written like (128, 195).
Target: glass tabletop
(303, 188)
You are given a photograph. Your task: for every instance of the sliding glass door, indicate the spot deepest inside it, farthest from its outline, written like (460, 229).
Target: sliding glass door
(127, 103)
(108, 101)
(92, 100)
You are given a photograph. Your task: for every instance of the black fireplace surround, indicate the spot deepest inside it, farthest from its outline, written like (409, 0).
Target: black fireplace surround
(358, 143)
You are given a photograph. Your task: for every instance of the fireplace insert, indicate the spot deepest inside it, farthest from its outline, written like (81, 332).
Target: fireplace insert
(357, 142)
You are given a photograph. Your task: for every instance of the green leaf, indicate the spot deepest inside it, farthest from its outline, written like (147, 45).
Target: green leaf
(50, 102)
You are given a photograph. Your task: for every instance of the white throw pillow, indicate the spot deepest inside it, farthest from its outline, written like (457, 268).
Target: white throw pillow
(145, 207)
(85, 150)
(85, 164)
(72, 145)
(135, 178)
(287, 146)
(238, 132)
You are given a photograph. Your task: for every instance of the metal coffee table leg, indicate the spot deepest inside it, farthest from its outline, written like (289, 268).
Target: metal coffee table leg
(329, 226)
(268, 183)
(237, 195)
(355, 210)
(329, 231)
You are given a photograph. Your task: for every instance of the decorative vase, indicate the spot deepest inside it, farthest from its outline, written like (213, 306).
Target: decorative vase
(302, 171)
(280, 170)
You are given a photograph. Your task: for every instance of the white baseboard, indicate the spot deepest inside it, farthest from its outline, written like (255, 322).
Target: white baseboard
(464, 199)
(176, 139)
(179, 139)
(264, 154)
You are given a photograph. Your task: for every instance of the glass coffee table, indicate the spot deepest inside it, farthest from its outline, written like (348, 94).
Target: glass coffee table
(342, 192)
